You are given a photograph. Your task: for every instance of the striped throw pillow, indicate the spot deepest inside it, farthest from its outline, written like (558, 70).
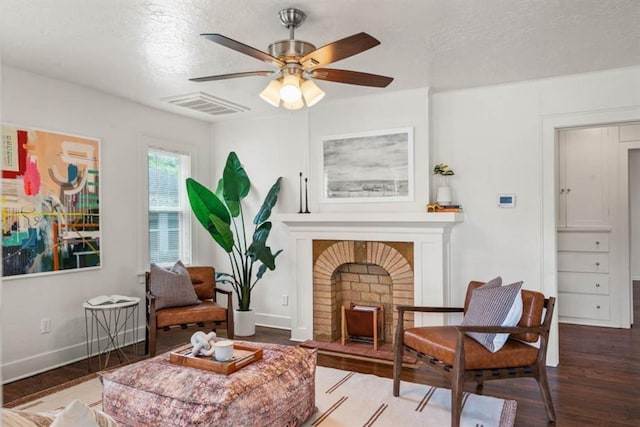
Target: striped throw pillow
(494, 306)
(493, 283)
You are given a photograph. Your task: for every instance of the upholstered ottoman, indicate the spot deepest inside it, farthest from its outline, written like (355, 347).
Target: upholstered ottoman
(278, 390)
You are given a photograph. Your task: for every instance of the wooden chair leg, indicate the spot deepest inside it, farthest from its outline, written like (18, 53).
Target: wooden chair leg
(146, 339)
(397, 367)
(546, 392)
(152, 342)
(151, 332)
(457, 381)
(457, 386)
(398, 350)
(230, 324)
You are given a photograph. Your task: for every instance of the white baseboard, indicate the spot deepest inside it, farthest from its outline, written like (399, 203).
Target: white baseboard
(273, 321)
(32, 365)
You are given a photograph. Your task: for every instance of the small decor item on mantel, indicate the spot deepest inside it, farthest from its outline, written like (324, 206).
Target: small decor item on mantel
(436, 207)
(221, 214)
(306, 195)
(443, 196)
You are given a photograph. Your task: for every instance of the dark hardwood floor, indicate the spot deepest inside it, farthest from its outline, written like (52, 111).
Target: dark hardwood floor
(597, 382)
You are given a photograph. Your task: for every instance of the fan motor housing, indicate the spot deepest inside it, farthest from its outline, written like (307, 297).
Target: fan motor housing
(290, 50)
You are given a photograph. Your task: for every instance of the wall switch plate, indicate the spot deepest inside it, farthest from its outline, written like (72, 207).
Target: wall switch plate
(285, 300)
(45, 326)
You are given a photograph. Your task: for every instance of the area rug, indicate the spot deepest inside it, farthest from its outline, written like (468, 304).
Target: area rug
(361, 351)
(87, 389)
(352, 399)
(346, 398)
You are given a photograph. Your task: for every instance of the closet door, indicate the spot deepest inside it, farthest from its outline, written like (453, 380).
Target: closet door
(583, 192)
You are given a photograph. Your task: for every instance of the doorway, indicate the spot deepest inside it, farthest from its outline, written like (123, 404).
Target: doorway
(630, 157)
(549, 127)
(594, 286)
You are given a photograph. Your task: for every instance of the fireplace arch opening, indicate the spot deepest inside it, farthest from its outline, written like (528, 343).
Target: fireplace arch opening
(359, 272)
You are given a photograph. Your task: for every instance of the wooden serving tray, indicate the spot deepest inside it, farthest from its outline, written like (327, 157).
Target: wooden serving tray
(242, 356)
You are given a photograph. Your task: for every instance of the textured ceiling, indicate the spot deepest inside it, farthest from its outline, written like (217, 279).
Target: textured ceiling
(145, 50)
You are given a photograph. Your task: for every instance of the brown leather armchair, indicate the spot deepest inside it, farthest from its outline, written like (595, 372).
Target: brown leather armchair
(203, 280)
(460, 358)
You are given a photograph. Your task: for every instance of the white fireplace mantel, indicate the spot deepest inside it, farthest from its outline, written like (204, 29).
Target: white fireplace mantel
(427, 219)
(429, 233)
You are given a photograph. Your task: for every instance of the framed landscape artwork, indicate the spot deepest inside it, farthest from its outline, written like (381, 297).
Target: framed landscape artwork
(368, 167)
(50, 202)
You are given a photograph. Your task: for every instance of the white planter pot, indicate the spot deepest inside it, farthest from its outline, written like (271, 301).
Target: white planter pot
(443, 197)
(244, 323)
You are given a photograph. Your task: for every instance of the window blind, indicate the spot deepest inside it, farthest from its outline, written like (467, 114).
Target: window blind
(169, 221)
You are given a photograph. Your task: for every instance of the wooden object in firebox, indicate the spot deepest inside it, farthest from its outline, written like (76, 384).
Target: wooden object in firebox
(363, 323)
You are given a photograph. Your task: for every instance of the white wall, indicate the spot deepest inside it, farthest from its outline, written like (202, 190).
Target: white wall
(287, 145)
(490, 137)
(388, 110)
(268, 148)
(31, 100)
(497, 139)
(501, 139)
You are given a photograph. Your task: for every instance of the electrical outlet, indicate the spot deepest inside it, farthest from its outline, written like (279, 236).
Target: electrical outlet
(285, 300)
(45, 325)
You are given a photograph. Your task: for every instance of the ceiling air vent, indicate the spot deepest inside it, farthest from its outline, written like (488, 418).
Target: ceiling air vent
(205, 103)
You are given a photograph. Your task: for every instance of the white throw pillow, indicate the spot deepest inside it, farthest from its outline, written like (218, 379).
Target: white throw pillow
(75, 414)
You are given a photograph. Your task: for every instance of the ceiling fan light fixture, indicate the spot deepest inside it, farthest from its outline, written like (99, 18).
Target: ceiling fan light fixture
(311, 92)
(290, 90)
(299, 62)
(271, 93)
(296, 105)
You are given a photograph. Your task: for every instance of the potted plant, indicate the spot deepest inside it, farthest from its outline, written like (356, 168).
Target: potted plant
(443, 196)
(221, 214)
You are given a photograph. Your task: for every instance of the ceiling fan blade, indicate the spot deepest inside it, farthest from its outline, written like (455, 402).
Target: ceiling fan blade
(243, 48)
(232, 76)
(338, 50)
(351, 77)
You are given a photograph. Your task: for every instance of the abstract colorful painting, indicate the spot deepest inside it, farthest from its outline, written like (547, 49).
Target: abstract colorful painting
(50, 202)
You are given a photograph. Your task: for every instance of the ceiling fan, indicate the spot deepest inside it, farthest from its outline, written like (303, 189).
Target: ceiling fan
(299, 62)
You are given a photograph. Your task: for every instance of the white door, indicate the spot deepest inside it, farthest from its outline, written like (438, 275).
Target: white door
(583, 173)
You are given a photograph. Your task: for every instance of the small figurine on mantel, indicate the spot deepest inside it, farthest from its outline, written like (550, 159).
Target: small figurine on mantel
(306, 195)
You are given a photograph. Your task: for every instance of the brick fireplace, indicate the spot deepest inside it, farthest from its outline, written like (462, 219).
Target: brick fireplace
(403, 257)
(363, 273)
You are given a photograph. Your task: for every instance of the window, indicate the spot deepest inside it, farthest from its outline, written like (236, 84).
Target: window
(169, 213)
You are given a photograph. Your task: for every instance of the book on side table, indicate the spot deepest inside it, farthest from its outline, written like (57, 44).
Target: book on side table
(110, 299)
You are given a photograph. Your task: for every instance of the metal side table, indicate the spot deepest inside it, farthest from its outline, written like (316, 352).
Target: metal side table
(109, 322)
